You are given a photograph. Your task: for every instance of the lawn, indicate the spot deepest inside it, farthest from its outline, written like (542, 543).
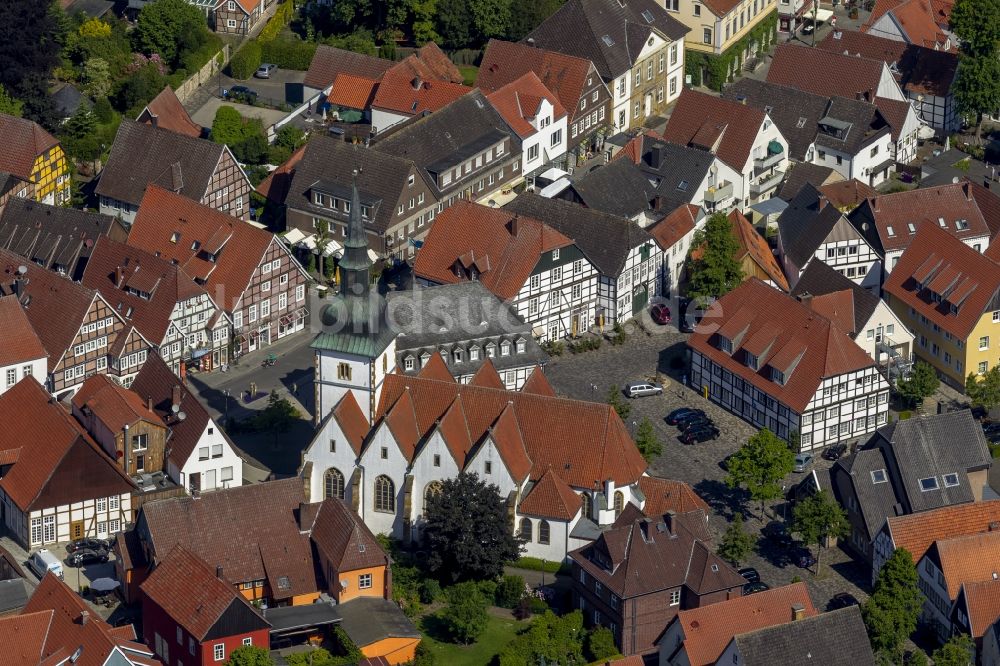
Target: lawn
(498, 633)
(469, 73)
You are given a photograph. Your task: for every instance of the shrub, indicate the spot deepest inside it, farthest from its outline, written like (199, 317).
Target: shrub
(995, 450)
(423, 655)
(282, 17)
(509, 591)
(289, 53)
(601, 644)
(488, 588)
(465, 615)
(430, 590)
(530, 606)
(537, 564)
(554, 347)
(246, 61)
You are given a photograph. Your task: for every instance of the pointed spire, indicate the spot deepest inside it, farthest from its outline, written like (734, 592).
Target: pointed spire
(356, 264)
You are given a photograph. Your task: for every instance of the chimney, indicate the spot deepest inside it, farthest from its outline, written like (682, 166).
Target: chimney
(218, 571)
(967, 188)
(986, 182)
(20, 281)
(415, 82)
(821, 203)
(657, 202)
(530, 41)
(805, 298)
(656, 156)
(121, 277)
(84, 617)
(154, 120)
(149, 402)
(175, 396)
(513, 226)
(798, 612)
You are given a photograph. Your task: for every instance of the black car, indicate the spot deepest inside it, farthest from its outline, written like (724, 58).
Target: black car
(85, 556)
(680, 413)
(753, 588)
(696, 415)
(842, 600)
(836, 451)
(692, 424)
(778, 534)
(240, 94)
(700, 434)
(750, 574)
(805, 560)
(88, 542)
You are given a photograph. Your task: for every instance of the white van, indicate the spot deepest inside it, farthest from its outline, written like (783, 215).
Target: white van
(42, 562)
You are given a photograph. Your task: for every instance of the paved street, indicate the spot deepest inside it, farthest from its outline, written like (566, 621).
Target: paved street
(589, 375)
(284, 87)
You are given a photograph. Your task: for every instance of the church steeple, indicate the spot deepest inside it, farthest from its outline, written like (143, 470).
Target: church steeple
(355, 265)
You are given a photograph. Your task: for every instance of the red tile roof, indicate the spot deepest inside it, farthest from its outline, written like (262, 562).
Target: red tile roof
(677, 224)
(435, 368)
(551, 497)
(700, 120)
(412, 407)
(838, 307)
(537, 383)
(275, 187)
(166, 112)
(989, 205)
(665, 495)
(721, 7)
(49, 439)
(847, 194)
(487, 376)
(114, 405)
(505, 247)
(353, 422)
(951, 268)
(186, 588)
(353, 92)
(916, 532)
(754, 245)
(982, 601)
(344, 539)
(804, 345)
(437, 63)
(22, 637)
(409, 89)
(163, 214)
(519, 102)
(23, 141)
(634, 148)
(21, 344)
(329, 61)
(920, 21)
(843, 75)
(966, 559)
(565, 75)
(67, 631)
(708, 630)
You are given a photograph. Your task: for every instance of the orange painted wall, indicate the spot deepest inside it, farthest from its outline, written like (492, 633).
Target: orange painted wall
(353, 591)
(303, 599)
(395, 650)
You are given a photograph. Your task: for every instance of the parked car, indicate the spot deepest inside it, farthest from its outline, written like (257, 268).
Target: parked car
(803, 461)
(680, 413)
(776, 532)
(660, 314)
(702, 434)
(691, 424)
(240, 94)
(265, 70)
(697, 415)
(86, 556)
(842, 600)
(87, 542)
(836, 451)
(750, 574)
(805, 560)
(640, 389)
(42, 562)
(753, 588)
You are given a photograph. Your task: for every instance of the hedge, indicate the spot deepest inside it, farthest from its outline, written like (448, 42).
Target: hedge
(719, 66)
(246, 61)
(537, 564)
(282, 16)
(289, 53)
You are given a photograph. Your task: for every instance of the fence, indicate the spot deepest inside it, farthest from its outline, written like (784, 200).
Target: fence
(210, 69)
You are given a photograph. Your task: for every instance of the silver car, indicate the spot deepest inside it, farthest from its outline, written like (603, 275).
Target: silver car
(264, 71)
(803, 461)
(640, 389)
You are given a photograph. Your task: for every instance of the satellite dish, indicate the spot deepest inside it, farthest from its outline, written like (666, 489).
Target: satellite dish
(181, 416)
(175, 408)
(22, 269)
(344, 583)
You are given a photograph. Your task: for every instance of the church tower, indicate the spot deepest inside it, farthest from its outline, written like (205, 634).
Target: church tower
(356, 348)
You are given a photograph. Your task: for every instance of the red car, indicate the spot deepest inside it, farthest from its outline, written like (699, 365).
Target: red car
(660, 313)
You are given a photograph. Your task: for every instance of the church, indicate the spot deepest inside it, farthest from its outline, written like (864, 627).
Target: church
(386, 440)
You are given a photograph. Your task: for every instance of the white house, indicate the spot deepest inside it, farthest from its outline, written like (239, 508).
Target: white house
(535, 114)
(675, 234)
(55, 482)
(26, 358)
(778, 364)
(387, 470)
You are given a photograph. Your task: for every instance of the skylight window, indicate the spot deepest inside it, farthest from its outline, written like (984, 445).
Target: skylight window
(942, 223)
(878, 476)
(890, 231)
(682, 186)
(961, 225)
(801, 123)
(950, 480)
(912, 229)
(648, 15)
(607, 40)
(930, 483)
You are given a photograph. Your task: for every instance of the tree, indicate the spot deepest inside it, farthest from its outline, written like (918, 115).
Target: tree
(526, 15)
(227, 127)
(549, 639)
(170, 28)
(984, 390)
(277, 417)
(97, 77)
(31, 33)
(509, 591)
(601, 644)
(736, 543)
(9, 105)
(760, 465)
(290, 137)
(422, 25)
(467, 532)
(958, 651)
(453, 23)
(646, 441)
(465, 613)
(712, 265)
(817, 519)
(250, 655)
(976, 23)
(616, 400)
(891, 613)
(490, 17)
(922, 383)
(135, 90)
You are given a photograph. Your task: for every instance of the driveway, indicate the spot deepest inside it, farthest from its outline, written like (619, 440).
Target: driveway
(589, 375)
(284, 87)
(206, 114)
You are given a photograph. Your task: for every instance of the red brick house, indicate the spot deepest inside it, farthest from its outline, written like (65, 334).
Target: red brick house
(639, 574)
(188, 609)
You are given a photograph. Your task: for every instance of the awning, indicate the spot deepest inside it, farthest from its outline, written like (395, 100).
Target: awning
(373, 255)
(287, 319)
(293, 236)
(301, 313)
(774, 148)
(822, 15)
(198, 353)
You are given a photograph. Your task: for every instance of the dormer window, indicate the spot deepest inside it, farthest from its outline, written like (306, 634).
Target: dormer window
(520, 346)
(505, 348)
(318, 198)
(174, 237)
(725, 344)
(752, 360)
(424, 358)
(458, 355)
(555, 254)
(778, 376)
(491, 350)
(474, 354)
(961, 225)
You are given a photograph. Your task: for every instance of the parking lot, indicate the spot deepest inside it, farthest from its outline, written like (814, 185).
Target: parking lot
(649, 355)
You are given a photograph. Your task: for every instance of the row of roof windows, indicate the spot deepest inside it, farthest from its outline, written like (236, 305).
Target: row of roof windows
(458, 355)
(960, 225)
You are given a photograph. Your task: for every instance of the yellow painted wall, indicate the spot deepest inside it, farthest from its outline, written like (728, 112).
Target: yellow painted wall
(46, 173)
(353, 591)
(694, 40)
(395, 650)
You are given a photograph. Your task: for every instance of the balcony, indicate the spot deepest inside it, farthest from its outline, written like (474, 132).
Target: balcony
(775, 153)
(719, 193)
(766, 183)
